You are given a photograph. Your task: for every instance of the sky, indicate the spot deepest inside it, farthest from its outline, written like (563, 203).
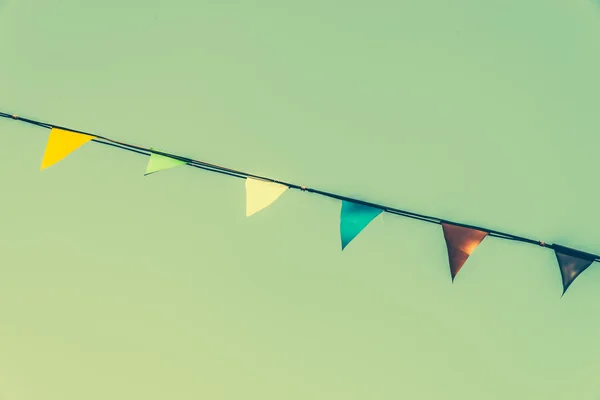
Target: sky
(115, 285)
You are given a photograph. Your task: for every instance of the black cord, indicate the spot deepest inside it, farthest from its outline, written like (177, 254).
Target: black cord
(244, 175)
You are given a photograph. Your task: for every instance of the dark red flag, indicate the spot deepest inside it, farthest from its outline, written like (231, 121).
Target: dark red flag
(461, 242)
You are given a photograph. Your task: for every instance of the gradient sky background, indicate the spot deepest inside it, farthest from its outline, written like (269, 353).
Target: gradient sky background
(119, 286)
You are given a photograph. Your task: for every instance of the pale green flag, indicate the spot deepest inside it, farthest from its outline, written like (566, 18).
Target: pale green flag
(160, 163)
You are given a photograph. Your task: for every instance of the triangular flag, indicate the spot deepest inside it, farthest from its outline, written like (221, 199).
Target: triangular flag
(571, 263)
(159, 162)
(261, 194)
(354, 218)
(460, 242)
(60, 144)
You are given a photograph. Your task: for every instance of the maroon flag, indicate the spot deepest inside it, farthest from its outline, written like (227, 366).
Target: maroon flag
(460, 242)
(572, 263)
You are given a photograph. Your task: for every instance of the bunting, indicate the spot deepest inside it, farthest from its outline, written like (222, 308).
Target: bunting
(571, 263)
(261, 194)
(355, 215)
(159, 162)
(354, 218)
(460, 242)
(60, 144)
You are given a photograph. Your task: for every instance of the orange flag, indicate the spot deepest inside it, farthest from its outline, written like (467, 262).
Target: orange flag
(61, 143)
(460, 242)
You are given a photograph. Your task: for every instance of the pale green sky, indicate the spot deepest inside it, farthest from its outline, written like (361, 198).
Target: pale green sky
(119, 286)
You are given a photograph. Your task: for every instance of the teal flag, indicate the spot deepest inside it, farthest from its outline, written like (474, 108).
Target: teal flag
(354, 218)
(159, 163)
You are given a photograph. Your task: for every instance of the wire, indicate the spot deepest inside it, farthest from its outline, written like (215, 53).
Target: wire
(244, 175)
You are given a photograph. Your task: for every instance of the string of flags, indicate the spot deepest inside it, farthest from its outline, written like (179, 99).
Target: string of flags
(461, 239)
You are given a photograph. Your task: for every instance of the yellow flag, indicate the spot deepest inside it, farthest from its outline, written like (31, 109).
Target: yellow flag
(61, 143)
(260, 194)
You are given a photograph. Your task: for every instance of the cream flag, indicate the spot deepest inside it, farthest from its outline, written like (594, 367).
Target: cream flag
(260, 194)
